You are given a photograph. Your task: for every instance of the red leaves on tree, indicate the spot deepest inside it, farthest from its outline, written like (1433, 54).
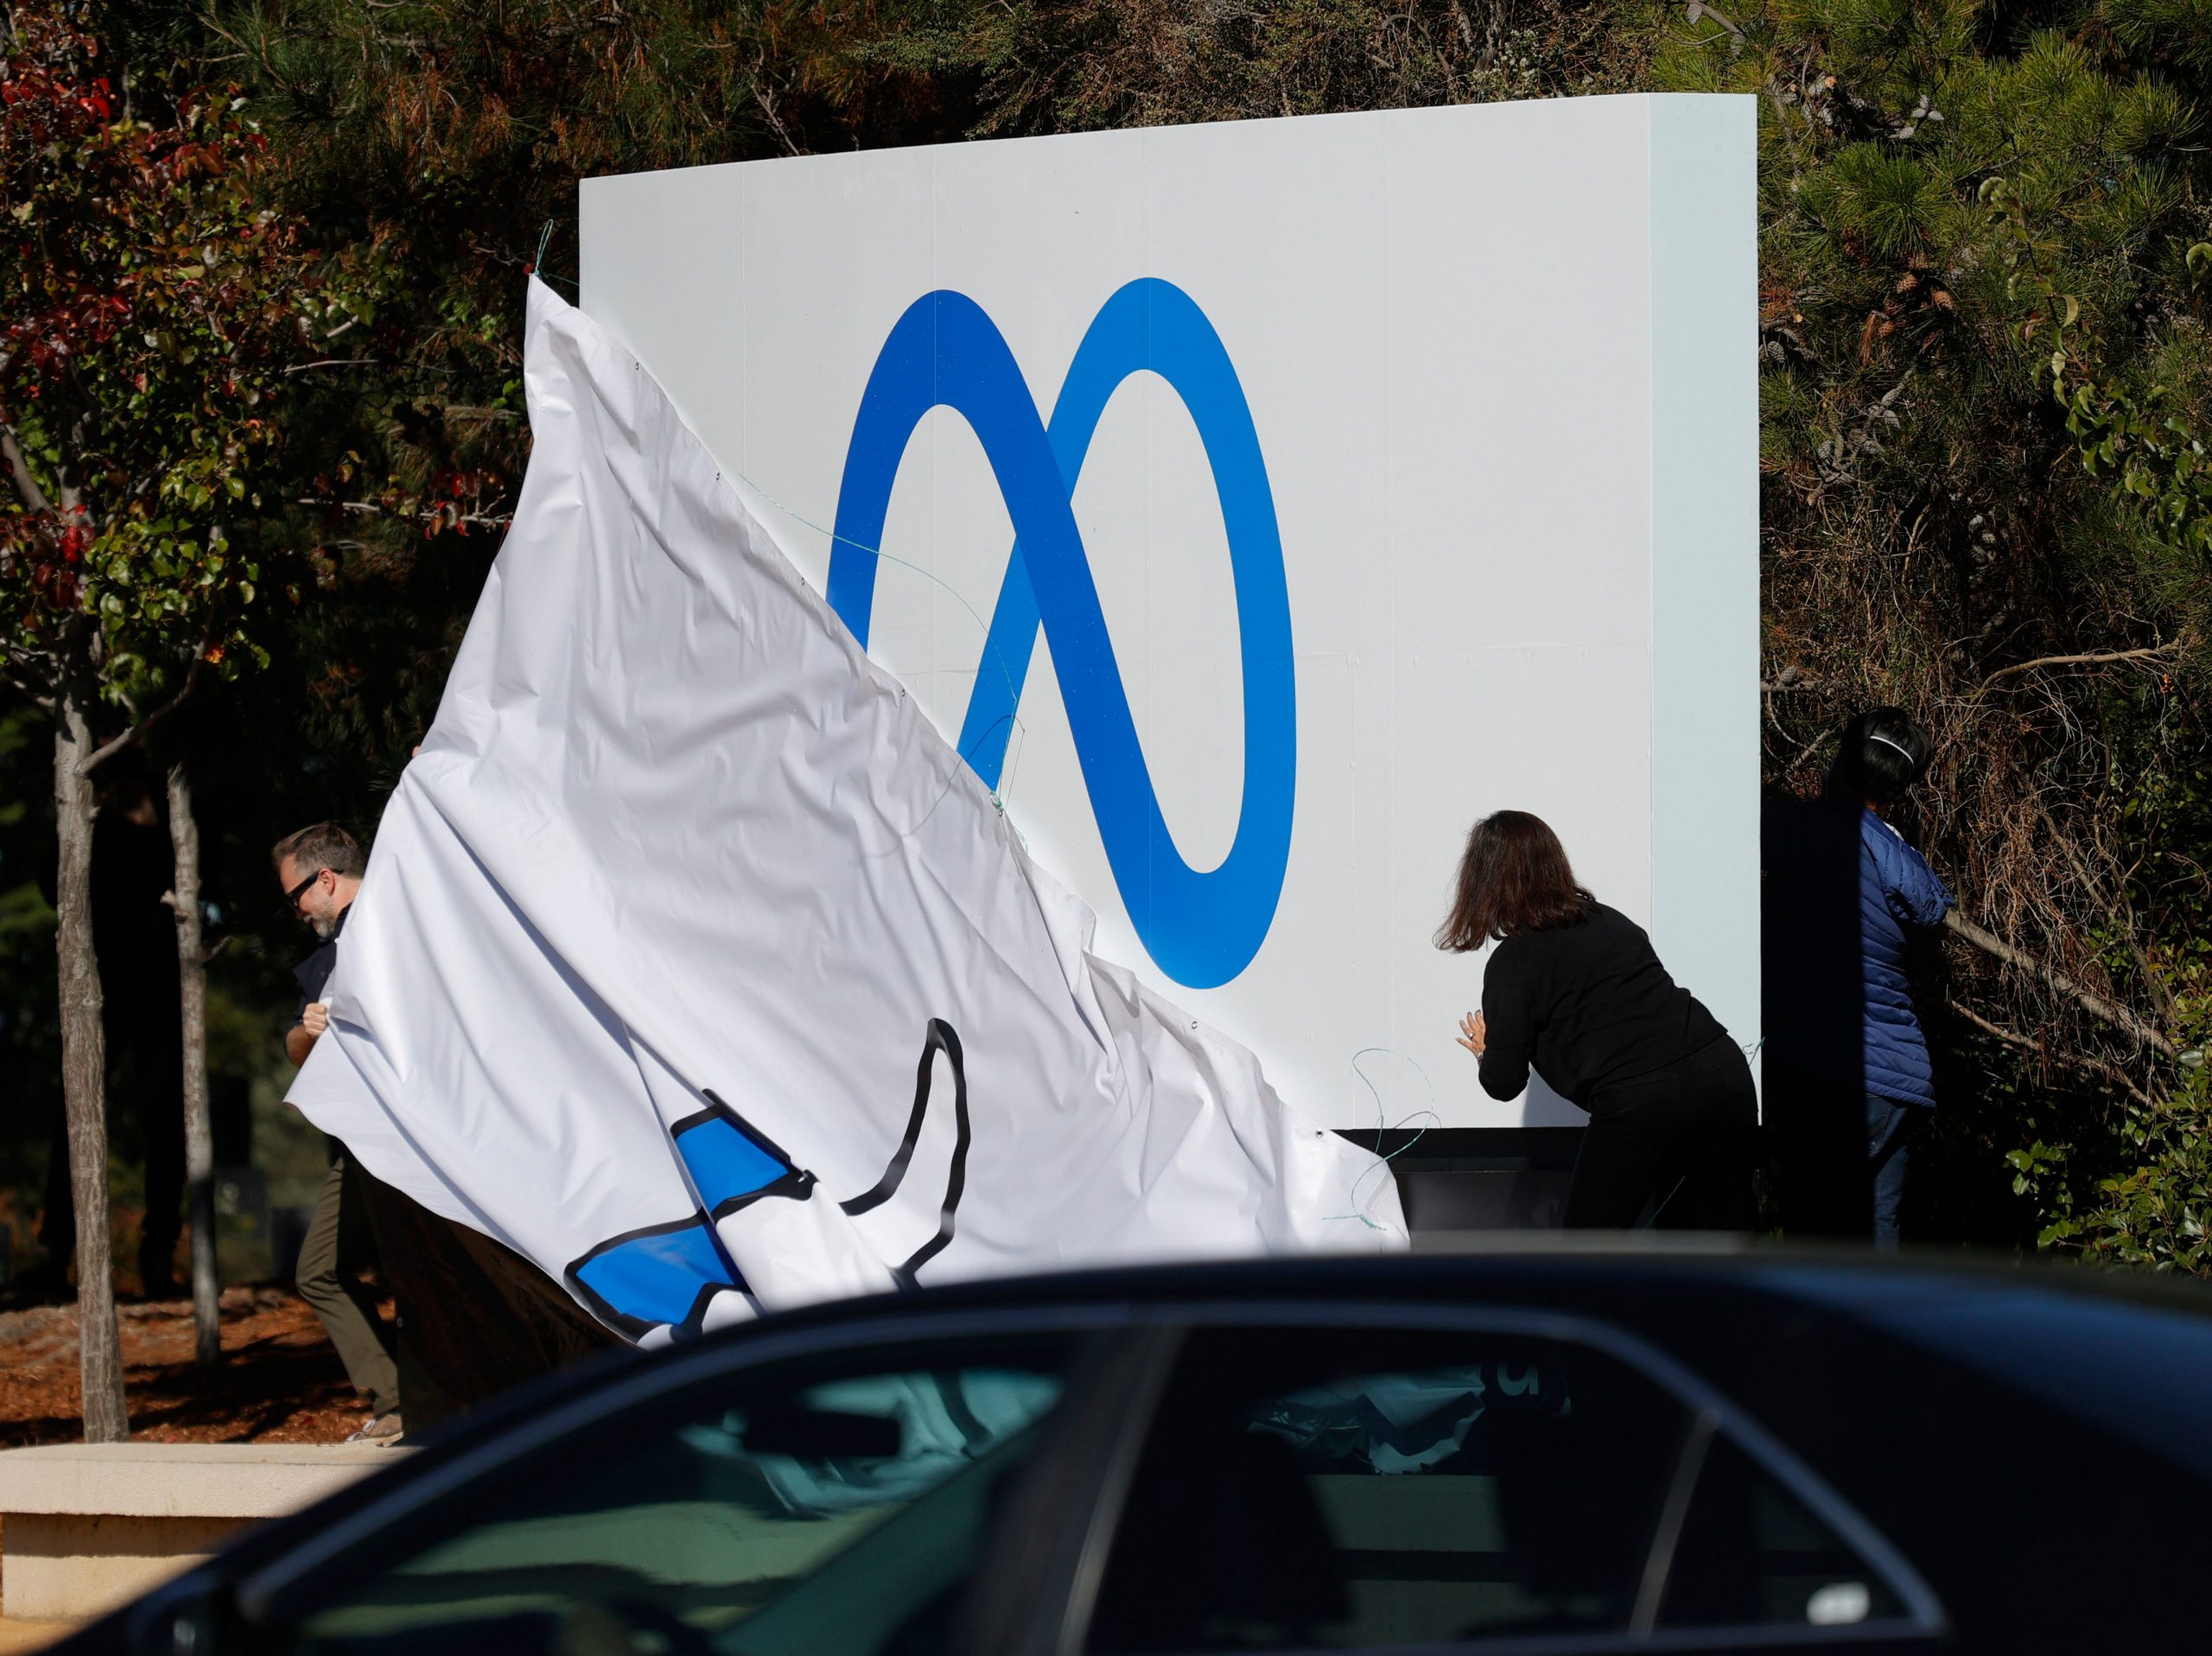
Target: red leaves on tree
(153, 300)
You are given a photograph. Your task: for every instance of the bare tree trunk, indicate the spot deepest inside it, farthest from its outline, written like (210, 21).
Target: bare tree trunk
(84, 1065)
(199, 1136)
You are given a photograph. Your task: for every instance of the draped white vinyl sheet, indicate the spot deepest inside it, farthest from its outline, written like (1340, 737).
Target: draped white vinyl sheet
(695, 966)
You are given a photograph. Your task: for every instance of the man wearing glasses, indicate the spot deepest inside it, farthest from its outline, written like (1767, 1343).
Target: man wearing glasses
(320, 869)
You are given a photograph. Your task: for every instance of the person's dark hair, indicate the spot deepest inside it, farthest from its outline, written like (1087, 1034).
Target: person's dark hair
(1514, 877)
(323, 845)
(1881, 753)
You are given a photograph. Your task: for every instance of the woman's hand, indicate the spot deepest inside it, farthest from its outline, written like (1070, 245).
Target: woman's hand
(1474, 1033)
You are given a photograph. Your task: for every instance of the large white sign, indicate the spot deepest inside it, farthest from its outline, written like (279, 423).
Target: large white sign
(1256, 505)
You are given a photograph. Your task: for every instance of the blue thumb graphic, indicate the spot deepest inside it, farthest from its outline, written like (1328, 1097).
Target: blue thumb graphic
(667, 1275)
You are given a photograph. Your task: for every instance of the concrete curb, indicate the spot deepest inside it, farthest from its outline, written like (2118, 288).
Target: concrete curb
(90, 1527)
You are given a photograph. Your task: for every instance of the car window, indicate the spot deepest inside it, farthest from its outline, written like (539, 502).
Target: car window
(1317, 1489)
(808, 1509)
(1361, 1488)
(1752, 1553)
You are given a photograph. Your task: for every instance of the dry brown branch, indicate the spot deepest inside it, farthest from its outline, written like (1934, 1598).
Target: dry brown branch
(2114, 900)
(372, 509)
(2076, 1060)
(766, 101)
(2091, 1002)
(2095, 659)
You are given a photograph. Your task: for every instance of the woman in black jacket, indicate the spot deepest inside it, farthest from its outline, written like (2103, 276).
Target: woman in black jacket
(1573, 990)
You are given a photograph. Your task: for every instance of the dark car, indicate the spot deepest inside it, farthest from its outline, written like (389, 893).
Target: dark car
(1563, 1451)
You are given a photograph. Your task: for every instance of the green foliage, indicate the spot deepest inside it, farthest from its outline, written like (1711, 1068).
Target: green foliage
(2141, 430)
(155, 303)
(430, 144)
(2175, 32)
(1984, 400)
(2159, 1213)
(2152, 1204)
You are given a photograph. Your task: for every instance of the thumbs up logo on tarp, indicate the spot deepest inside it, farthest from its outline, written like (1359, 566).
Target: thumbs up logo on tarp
(664, 1277)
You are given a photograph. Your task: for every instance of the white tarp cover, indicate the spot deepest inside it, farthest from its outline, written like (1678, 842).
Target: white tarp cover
(695, 966)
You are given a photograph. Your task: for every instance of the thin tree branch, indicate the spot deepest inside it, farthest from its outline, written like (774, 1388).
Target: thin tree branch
(767, 100)
(42, 700)
(2091, 1002)
(332, 362)
(1699, 10)
(371, 509)
(32, 672)
(19, 468)
(2077, 1060)
(28, 659)
(2115, 903)
(2096, 658)
(138, 732)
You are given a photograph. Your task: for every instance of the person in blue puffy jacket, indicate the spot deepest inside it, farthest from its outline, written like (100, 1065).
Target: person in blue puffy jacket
(1847, 904)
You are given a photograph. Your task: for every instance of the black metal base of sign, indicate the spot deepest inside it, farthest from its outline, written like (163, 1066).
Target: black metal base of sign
(1477, 1178)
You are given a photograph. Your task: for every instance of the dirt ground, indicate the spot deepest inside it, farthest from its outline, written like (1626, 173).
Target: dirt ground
(279, 1382)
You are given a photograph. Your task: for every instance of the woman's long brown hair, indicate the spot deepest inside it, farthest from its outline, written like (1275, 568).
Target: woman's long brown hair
(1514, 877)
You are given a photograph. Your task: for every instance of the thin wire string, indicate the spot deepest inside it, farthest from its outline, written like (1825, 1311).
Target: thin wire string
(1381, 1126)
(1005, 669)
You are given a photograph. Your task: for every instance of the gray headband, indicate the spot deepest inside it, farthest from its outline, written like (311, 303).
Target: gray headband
(1873, 737)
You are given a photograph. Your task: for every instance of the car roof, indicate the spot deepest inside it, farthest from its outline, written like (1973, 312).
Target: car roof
(1642, 1282)
(1455, 1264)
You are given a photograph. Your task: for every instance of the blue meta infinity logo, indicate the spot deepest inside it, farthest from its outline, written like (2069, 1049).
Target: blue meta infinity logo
(1202, 927)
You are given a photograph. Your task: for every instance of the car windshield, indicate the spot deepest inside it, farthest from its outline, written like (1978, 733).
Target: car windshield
(841, 1515)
